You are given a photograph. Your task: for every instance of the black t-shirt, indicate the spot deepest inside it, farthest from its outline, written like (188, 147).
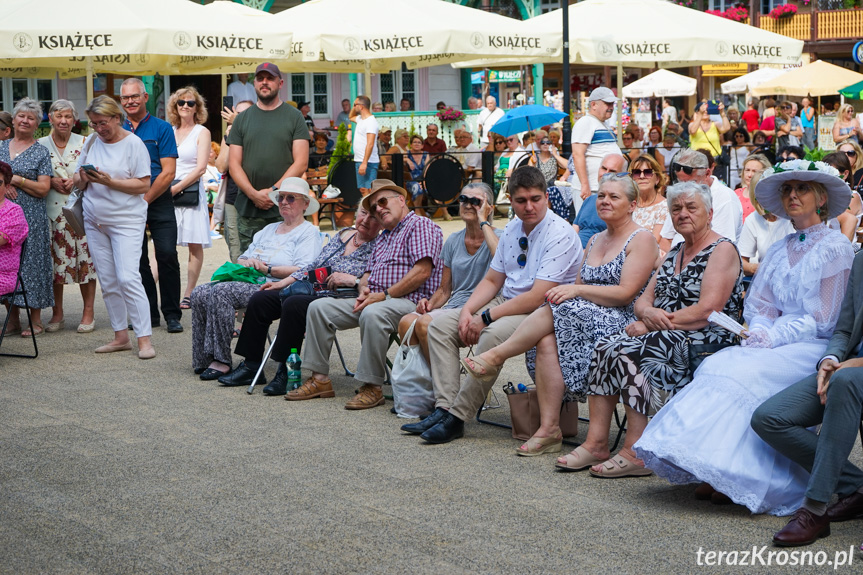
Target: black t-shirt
(317, 160)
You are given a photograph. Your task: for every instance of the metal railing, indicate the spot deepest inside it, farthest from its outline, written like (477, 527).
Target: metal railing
(416, 122)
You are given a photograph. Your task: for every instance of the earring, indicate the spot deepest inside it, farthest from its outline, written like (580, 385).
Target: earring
(818, 211)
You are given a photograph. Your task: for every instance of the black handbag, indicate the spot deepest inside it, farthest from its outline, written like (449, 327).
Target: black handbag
(700, 352)
(189, 197)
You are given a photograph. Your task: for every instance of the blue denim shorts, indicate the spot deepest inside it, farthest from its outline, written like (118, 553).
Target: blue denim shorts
(371, 174)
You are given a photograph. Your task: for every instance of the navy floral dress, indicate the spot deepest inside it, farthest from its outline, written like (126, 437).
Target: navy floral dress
(645, 368)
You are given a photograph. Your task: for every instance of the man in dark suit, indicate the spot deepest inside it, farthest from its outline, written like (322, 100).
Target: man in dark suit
(832, 397)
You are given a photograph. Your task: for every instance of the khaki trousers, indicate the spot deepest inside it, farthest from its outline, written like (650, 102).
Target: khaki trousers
(462, 400)
(376, 323)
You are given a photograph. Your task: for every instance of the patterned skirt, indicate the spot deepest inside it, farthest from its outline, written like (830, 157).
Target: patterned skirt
(72, 261)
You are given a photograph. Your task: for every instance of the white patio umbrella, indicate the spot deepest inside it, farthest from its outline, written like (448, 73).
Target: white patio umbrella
(419, 33)
(747, 82)
(661, 84)
(129, 36)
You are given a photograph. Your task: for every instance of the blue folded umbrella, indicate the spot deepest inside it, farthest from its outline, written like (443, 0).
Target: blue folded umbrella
(526, 118)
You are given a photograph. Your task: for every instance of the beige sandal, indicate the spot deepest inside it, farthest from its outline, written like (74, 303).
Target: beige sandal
(620, 466)
(539, 445)
(576, 460)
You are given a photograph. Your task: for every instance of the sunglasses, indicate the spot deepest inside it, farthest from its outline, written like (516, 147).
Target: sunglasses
(799, 189)
(522, 257)
(476, 202)
(786, 107)
(646, 172)
(545, 142)
(189, 103)
(383, 201)
(288, 198)
(850, 153)
(685, 169)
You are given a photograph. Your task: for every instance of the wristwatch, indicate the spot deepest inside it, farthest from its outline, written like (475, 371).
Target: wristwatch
(357, 282)
(269, 270)
(275, 188)
(481, 224)
(387, 295)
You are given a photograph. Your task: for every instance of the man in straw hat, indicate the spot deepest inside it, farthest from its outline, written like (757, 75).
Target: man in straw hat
(404, 268)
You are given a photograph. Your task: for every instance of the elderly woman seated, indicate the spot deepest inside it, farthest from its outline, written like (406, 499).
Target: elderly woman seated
(13, 232)
(792, 307)
(650, 359)
(616, 268)
(466, 256)
(334, 273)
(276, 251)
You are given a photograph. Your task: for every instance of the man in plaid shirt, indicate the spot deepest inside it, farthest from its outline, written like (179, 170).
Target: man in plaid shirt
(404, 268)
(536, 252)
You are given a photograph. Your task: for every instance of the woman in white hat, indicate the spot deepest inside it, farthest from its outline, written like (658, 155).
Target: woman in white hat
(791, 309)
(276, 251)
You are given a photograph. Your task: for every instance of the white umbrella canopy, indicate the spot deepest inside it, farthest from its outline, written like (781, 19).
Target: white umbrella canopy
(816, 79)
(661, 84)
(655, 34)
(747, 82)
(130, 36)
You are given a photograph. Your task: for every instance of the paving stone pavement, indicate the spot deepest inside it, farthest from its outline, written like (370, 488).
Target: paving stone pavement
(109, 464)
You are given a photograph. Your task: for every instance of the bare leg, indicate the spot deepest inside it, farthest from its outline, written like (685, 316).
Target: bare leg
(57, 310)
(421, 333)
(121, 338)
(600, 408)
(36, 317)
(196, 261)
(14, 317)
(549, 387)
(219, 366)
(143, 343)
(635, 424)
(404, 326)
(529, 332)
(88, 293)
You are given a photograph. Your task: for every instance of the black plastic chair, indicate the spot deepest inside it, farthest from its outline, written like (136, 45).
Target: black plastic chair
(19, 290)
(344, 177)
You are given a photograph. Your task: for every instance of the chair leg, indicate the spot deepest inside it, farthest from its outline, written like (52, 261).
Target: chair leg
(22, 291)
(348, 372)
(621, 427)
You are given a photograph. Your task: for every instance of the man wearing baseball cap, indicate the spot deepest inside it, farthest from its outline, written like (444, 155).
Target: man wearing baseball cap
(269, 142)
(404, 268)
(592, 140)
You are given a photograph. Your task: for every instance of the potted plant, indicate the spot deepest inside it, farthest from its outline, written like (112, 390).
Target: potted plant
(783, 11)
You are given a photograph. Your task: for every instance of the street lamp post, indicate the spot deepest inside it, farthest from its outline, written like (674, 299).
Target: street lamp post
(567, 96)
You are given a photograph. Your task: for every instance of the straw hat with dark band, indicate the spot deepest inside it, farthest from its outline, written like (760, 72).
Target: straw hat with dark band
(767, 189)
(379, 186)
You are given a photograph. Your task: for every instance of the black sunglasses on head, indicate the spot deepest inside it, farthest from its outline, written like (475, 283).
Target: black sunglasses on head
(681, 168)
(476, 202)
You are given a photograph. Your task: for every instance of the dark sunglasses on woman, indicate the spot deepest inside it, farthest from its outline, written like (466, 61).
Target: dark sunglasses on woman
(476, 202)
(646, 172)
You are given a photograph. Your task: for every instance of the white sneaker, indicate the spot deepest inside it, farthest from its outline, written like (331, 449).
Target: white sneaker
(215, 235)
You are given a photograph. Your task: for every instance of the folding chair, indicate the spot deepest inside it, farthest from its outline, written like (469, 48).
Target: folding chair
(19, 290)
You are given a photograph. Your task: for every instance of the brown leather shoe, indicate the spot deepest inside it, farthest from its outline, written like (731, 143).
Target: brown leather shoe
(847, 508)
(311, 389)
(368, 396)
(804, 528)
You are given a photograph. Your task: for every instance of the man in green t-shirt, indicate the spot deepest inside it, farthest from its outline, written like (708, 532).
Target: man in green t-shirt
(269, 142)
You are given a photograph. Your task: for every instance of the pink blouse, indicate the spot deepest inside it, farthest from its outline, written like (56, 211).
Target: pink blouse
(13, 227)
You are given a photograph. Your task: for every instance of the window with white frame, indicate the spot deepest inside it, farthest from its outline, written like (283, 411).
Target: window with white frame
(314, 88)
(548, 5)
(398, 84)
(13, 90)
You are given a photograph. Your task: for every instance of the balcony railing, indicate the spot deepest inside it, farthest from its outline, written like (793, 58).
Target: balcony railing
(840, 24)
(798, 26)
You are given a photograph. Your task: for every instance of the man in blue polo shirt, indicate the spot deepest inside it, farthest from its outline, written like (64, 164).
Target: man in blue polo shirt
(159, 138)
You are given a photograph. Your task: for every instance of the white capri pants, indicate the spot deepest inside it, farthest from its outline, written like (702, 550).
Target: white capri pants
(116, 252)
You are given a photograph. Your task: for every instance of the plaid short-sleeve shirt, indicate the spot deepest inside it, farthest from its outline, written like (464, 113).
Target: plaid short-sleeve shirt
(398, 250)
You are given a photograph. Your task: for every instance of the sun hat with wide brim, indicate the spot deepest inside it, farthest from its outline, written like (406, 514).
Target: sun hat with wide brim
(767, 189)
(379, 186)
(299, 187)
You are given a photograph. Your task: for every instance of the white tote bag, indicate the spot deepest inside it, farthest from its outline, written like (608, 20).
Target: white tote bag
(411, 380)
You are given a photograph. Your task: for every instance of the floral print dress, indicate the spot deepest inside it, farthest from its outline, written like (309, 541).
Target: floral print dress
(645, 368)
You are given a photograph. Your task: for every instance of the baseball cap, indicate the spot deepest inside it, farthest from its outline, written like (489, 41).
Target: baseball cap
(269, 68)
(301, 104)
(385, 129)
(602, 94)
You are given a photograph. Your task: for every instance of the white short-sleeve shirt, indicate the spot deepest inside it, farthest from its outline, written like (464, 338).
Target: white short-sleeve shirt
(487, 120)
(554, 254)
(363, 128)
(121, 160)
(759, 234)
(600, 142)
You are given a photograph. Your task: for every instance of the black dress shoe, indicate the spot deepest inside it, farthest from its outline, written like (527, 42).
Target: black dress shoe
(804, 528)
(847, 508)
(174, 326)
(279, 385)
(200, 370)
(243, 375)
(448, 428)
(426, 424)
(211, 374)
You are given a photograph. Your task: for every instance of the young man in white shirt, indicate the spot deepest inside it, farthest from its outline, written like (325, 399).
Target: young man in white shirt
(364, 141)
(488, 117)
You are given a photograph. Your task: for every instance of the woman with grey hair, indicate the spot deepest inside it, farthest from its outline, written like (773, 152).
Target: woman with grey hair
(650, 358)
(466, 256)
(31, 180)
(72, 261)
(617, 265)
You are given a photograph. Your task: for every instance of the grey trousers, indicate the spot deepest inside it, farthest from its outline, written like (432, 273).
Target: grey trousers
(248, 227)
(376, 323)
(781, 422)
(462, 400)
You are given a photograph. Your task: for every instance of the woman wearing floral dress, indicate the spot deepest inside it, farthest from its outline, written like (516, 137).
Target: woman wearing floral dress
(31, 180)
(72, 261)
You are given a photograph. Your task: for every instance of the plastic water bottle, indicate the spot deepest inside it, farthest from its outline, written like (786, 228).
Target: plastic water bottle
(295, 375)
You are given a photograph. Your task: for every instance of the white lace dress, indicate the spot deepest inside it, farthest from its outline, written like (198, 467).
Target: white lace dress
(703, 433)
(193, 223)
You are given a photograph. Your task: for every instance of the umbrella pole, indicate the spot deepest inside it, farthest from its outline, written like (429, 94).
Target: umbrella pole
(619, 106)
(367, 78)
(89, 65)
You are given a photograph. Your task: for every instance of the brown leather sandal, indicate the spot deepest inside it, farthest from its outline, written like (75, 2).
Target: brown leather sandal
(311, 389)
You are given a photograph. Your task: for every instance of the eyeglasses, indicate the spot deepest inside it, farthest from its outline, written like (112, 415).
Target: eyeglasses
(97, 125)
(189, 103)
(646, 173)
(799, 189)
(522, 257)
(287, 198)
(851, 153)
(785, 107)
(130, 97)
(383, 201)
(476, 202)
(685, 169)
